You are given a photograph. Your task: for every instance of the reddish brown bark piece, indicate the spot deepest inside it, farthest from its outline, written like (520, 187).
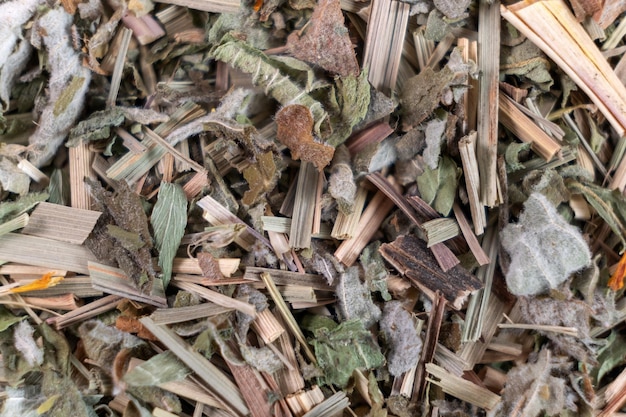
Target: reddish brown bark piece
(610, 11)
(584, 8)
(325, 41)
(294, 125)
(410, 256)
(209, 266)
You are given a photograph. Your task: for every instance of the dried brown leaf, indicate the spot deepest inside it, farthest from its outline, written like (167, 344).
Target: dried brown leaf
(294, 126)
(325, 41)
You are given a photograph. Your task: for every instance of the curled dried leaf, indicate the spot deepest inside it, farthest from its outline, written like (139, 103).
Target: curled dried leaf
(295, 123)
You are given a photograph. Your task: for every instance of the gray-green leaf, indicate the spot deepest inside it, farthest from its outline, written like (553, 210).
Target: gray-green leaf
(168, 220)
(544, 248)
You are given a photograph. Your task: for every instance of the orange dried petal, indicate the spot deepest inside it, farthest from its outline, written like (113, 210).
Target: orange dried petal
(616, 282)
(46, 281)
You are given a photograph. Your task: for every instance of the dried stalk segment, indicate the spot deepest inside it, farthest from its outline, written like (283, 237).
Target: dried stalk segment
(372, 217)
(53, 254)
(444, 256)
(409, 255)
(462, 388)
(114, 281)
(526, 130)
(467, 149)
(304, 209)
(386, 30)
(217, 383)
(487, 126)
(80, 167)
(68, 224)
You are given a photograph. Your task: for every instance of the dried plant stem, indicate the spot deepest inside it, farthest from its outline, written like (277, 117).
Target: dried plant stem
(445, 258)
(212, 6)
(374, 214)
(526, 130)
(479, 301)
(469, 49)
(487, 127)
(423, 47)
(80, 161)
(114, 281)
(93, 309)
(346, 225)
(217, 214)
(14, 224)
(33, 172)
(375, 133)
(553, 28)
(118, 69)
(304, 208)
(51, 253)
(386, 29)
(301, 402)
(54, 221)
(218, 383)
(439, 230)
(280, 277)
(285, 313)
(174, 152)
(182, 314)
(478, 252)
(462, 388)
(217, 298)
(467, 149)
(569, 331)
(331, 406)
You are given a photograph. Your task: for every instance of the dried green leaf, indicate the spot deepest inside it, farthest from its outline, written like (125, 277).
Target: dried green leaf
(68, 85)
(544, 248)
(261, 176)
(70, 401)
(342, 350)
(526, 61)
(131, 241)
(434, 138)
(354, 299)
(168, 220)
(404, 343)
(341, 185)
(267, 75)
(351, 103)
(438, 186)
(375, 269)
(512, 153)
(161, 368)
(453, 9)
(608, 204)
(7, 319)
(96, 127)
(262, 359)
(124, 209)
(549, 183)
(102, 343)
(12, 178)
(611, 355)
(9, 209)
(25, 344)
(532, 388)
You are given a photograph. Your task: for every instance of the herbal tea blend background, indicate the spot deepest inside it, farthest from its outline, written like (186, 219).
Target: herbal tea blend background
(299, 208)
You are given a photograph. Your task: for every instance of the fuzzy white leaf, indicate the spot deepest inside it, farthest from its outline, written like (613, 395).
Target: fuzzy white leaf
(25, 343)
(544, 248)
